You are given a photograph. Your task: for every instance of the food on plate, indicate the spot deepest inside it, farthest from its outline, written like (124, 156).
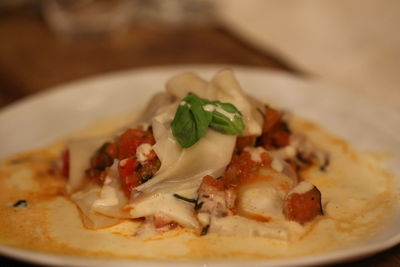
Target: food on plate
(204, 171)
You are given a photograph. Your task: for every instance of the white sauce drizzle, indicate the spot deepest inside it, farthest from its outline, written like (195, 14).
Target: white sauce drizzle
(183, 103)
(302, 188)
(143, 151)
(211, 108)
(123, 162)
(108, 197)
(255, 153)
(276, 164)
(108, 180)
(290, 151)
(230, 116)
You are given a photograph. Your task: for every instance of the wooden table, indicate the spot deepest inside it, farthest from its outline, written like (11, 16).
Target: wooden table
(33, 59)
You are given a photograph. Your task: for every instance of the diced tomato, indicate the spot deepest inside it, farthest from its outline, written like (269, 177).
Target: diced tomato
(215, 197)
(271, 118)
(100, 161)
(129, 141)
(148, 168)
(244, 141)
(242, 168)
(211, 181)
(275, 131)
(65, 163)
(129, 176)
(162, 222)
(131, 172)
(112, 150)
(303, 208)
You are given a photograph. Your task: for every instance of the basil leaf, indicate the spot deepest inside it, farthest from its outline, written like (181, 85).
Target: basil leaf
(202, 118)
(227, 119)
(183, 127)
(191, 121)
(228, 107)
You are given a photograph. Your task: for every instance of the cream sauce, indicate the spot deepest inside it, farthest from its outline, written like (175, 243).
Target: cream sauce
(357, 199)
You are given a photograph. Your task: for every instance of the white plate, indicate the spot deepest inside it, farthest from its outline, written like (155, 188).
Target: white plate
(46, 117)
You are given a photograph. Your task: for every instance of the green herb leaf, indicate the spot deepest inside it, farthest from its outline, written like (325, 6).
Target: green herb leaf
(227, 119)
(183, 127)
(202, 118)
(192, 119)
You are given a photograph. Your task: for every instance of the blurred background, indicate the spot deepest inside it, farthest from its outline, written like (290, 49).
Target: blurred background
(46, 43)
(354, 44)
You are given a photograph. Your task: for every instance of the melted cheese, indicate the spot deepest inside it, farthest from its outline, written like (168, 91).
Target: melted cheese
(142, 152)
(108, 197)
(80, 152)
(111, 198)
(302, 188)
(182, 84)
(264, 197)
(276, 164)
(229, 90)
(164, 203)
(85, 200)
(255, 152)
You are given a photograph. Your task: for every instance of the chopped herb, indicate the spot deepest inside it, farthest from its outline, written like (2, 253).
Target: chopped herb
(302, 159)
(20, 204)
(204, 231)
(198, 205)
(146, 177)
(326, 163)
(190, 200)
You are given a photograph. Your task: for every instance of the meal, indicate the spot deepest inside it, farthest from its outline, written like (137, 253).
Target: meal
(203, 171)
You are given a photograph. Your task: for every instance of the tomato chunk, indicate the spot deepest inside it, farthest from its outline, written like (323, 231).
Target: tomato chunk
(276, 133)
(129, 141)
(208, 180)
(242, 168)
(303, 207)
(132, 172)
(101, 160)
(244, 141)
(129, 176)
